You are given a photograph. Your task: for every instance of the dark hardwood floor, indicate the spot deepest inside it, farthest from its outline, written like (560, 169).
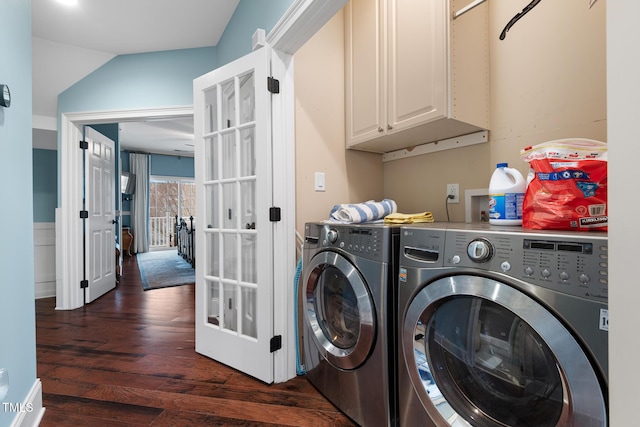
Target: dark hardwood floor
(128, 359)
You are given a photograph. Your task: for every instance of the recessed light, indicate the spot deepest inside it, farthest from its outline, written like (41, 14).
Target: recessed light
(68, 2)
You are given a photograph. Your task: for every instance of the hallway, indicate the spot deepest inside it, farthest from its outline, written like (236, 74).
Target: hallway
(128, 359)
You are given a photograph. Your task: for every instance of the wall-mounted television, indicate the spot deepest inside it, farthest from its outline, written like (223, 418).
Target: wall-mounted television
(127, 183)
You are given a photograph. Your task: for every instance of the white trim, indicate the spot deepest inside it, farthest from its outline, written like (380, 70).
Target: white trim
(283, 125)
(300, 22)
(44, 123)
(110, 116)
(68, 228)
(432, 147)
(33, 413)
(468, 7)
(44, 240)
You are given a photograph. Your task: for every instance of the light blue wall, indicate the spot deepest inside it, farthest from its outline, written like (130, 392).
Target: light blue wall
(172, 166)
(45, 173)
(163, 165)
(249, 16)
(17, 313)
(165, 79)
(138, 81)
(110, 130)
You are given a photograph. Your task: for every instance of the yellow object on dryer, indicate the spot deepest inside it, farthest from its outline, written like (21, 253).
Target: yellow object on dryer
(400, 218)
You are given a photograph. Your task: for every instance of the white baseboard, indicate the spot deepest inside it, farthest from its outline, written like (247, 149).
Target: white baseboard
(46, 289)
(30, 412)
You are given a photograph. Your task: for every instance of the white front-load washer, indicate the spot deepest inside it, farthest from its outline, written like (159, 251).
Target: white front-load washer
(500, 326)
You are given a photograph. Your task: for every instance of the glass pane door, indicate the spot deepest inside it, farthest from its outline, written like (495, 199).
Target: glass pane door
(231, 221)
(234, 244)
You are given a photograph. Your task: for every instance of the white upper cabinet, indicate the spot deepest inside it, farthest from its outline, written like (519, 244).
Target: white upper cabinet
(414, 75)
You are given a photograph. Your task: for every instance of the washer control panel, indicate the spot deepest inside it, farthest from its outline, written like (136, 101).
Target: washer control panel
(575, 264)
(371, 242)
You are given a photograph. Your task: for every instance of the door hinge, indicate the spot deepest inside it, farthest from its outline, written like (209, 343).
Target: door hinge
(276, 343)
(84, 145)
(274, 214)
(273, 85)
(84, 284)
(84, 214)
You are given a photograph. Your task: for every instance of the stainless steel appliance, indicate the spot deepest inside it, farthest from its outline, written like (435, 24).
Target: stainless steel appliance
(500, 326)
(348, 290)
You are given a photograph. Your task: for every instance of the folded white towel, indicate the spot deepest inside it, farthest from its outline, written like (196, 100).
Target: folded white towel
(363, 212)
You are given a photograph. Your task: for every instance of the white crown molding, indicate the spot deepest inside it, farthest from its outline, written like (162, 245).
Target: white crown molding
(110, 116)
(301, 21)
(44, 122)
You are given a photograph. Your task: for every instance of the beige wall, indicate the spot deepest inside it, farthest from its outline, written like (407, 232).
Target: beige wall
(351, 176)
(547, 82)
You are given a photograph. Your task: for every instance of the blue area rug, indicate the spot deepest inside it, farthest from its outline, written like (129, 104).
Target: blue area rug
(163, 269)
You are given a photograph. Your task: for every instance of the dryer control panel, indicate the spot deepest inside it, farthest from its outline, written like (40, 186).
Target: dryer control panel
(572, 263)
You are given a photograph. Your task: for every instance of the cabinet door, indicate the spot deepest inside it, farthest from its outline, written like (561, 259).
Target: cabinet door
(417, 62)
(365, 81)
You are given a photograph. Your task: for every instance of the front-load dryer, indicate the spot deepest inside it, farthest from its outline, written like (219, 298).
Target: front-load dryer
(348, 296)
(500, 326)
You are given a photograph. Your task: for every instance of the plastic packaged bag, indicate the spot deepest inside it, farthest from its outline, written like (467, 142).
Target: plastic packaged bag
(568, 186)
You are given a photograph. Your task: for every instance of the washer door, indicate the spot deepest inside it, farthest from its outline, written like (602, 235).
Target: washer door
(339, 310)
(482, 353)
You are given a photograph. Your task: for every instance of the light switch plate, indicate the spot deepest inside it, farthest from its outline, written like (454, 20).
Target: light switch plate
(320, 181)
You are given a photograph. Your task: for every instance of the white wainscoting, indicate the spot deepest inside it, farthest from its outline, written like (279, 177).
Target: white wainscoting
(44, 237)
(30, 412)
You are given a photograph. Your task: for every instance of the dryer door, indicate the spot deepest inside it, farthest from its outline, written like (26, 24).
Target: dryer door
(482, 353)
(339, 310)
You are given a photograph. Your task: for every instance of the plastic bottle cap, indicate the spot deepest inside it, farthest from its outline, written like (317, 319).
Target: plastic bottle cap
(503, 165)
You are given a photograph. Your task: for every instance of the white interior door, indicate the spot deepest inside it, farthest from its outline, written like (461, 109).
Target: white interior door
(100, 206)
(234, 236)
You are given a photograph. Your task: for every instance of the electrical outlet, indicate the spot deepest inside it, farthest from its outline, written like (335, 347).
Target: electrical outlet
(453, 190)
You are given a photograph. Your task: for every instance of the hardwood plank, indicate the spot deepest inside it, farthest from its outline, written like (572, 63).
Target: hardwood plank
(128, 359)
(228, 408)
(98, 410)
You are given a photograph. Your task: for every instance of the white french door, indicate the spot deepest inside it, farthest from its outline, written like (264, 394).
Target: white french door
(100, 204)
(234, 237)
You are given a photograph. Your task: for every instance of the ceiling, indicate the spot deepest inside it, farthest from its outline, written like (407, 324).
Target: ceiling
(69, 42)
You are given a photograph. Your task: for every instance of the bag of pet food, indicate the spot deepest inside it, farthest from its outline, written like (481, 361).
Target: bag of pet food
(567, 186)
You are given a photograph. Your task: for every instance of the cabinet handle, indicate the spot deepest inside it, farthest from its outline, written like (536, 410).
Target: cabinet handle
(380, 129)
(389, 127)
